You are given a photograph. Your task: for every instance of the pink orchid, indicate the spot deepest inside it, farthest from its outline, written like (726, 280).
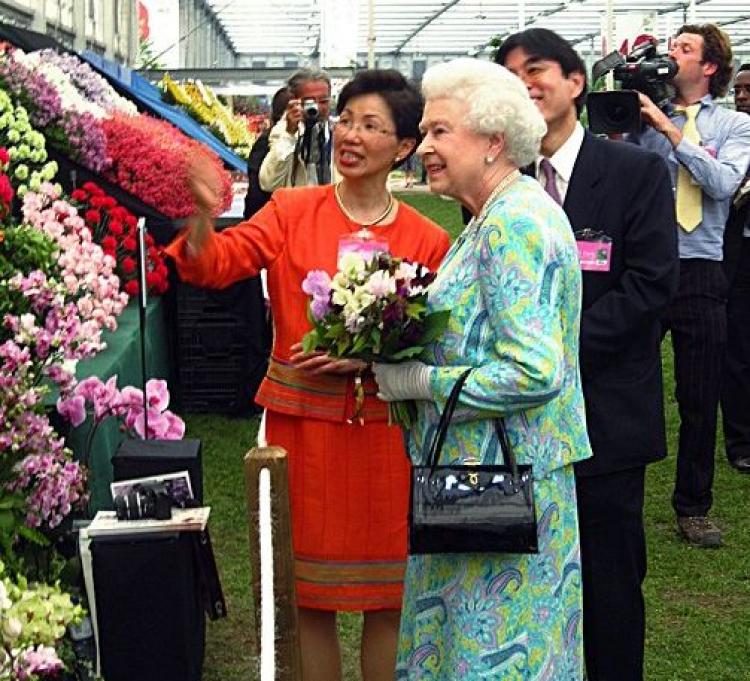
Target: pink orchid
(73, 409)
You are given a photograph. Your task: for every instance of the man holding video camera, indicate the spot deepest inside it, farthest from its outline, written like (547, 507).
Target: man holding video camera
(707, 148)
(299, 146)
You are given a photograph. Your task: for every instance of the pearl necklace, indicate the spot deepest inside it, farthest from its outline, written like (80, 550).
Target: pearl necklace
(351, 218)
(508, 180)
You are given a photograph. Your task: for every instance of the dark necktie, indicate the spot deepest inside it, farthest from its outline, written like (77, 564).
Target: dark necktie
(550, 186)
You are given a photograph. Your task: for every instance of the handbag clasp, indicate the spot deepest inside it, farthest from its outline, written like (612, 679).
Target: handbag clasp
(473, 477)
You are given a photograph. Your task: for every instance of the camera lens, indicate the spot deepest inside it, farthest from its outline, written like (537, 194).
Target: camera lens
(135, 505)
(618, 114)
(310, 109)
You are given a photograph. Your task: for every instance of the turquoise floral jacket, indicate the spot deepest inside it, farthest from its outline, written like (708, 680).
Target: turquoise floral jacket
(513, 284)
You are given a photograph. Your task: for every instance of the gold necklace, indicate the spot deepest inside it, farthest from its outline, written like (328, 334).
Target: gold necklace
(350, 217)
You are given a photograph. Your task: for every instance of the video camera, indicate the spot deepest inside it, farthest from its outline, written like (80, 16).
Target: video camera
(643, 70)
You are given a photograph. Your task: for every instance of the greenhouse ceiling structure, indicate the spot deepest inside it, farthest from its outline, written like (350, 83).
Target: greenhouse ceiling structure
(395, 27)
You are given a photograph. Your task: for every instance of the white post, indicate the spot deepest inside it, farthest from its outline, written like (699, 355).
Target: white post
(692, 12)
(370, 34)
(267, 608)
(610, 37)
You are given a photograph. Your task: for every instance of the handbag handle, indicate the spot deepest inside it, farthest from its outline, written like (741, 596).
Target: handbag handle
(433, 457)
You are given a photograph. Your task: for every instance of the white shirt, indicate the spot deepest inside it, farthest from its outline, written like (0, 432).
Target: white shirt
(563, 161)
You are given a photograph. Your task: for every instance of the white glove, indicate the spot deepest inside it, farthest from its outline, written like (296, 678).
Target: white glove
(404, 381)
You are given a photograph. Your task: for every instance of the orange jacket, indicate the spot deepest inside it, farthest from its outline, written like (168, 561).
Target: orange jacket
(298, 231)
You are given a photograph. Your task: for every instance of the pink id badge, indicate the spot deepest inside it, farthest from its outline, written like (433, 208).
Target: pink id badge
(366, 243)
(594, 250)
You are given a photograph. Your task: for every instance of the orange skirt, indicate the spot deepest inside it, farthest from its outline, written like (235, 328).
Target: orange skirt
(349, 489)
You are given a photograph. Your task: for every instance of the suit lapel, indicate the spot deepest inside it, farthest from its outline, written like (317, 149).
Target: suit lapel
(581, 201)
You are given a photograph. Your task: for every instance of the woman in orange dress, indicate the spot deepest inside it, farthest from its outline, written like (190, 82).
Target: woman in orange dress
(348, 472)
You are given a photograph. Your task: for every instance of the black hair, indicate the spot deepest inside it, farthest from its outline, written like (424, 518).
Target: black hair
(744, 67)
(545, 44)
(403, 98)
(278, 104)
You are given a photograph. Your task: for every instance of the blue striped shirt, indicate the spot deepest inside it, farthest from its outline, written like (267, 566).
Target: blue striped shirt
(718, 164)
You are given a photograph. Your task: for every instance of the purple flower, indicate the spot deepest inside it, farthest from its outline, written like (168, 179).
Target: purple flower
(319, 307)
(317, 283)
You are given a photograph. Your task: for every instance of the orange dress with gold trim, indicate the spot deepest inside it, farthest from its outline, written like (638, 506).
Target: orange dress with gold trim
(349, 483)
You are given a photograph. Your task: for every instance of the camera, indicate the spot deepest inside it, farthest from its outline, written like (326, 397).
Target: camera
(144, 501)
(310, 110)
(643, 70)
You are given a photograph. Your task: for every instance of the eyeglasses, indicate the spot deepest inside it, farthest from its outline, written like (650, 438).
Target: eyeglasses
(366, 128)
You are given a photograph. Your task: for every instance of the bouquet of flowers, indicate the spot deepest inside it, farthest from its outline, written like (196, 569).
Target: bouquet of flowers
(373, 309)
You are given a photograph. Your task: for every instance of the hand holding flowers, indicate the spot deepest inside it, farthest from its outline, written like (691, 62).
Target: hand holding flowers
(374, 309)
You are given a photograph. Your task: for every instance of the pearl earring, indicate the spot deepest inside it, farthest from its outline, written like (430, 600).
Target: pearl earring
(489, 160)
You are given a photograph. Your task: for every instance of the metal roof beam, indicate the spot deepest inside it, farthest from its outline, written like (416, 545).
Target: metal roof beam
(424, 25)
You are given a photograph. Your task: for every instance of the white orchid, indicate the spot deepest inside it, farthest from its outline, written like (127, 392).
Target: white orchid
(381, 284)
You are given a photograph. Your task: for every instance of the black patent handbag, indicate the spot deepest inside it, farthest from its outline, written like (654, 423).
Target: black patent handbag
(471, 508)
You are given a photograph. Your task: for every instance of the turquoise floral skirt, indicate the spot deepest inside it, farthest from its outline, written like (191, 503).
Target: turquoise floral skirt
(497, 616)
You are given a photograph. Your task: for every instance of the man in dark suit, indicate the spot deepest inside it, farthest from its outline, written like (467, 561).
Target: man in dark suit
(619, 201)
(256, 198)
(735, 387)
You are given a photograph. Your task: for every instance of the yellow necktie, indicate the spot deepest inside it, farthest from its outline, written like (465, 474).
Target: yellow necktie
(689, 196)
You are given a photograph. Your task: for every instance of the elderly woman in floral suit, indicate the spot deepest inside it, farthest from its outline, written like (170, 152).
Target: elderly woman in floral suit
(513, 285)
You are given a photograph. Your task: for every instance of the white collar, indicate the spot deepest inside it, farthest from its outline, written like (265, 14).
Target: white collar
(564, 159)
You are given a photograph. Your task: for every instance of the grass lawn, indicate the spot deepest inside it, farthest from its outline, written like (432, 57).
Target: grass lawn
(698, 601)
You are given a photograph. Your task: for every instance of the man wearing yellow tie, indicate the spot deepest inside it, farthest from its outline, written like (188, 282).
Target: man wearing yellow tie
(707, 148)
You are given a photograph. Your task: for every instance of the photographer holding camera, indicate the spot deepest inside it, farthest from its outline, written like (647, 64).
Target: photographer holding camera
(707, 149)
(299, 152)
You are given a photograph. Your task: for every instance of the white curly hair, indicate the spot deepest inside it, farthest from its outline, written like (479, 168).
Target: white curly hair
(498, 102)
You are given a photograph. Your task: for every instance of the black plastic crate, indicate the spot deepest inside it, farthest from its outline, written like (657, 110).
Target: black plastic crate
(211, 341)
(222, 344)
(239, 303)
(219, 389)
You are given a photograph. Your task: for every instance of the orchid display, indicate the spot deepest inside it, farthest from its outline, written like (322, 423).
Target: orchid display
(126, 404)
(24, 157)
(69, 125)
(89, 83)
(70, 98)
(87, 272)
(33, 621)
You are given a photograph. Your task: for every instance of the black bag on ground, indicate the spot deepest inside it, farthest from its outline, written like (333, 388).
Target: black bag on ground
(463, 508)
